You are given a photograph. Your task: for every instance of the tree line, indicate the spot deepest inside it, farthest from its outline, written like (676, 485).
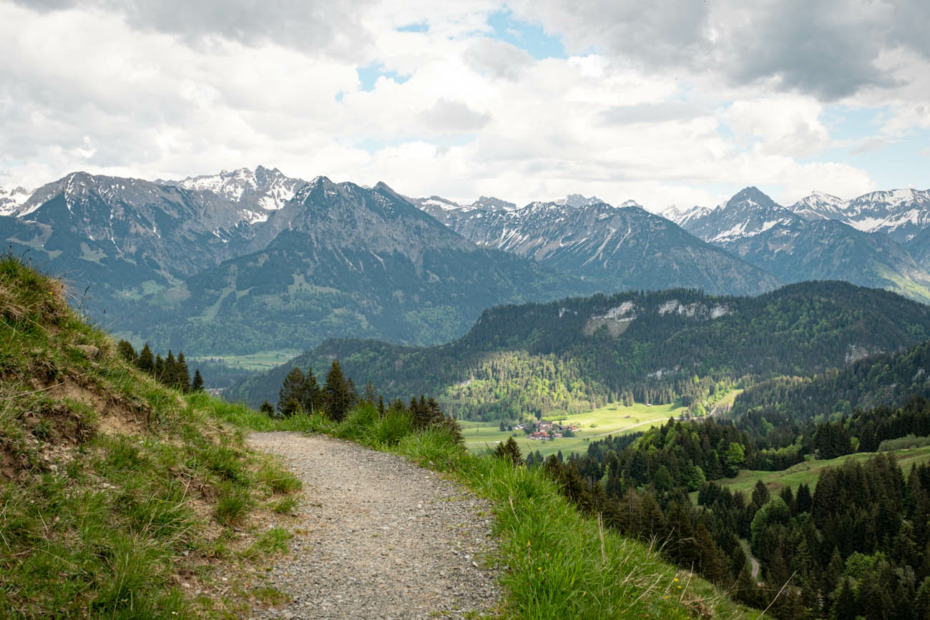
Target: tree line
(856, 545)
(171, 371)
(301, 394)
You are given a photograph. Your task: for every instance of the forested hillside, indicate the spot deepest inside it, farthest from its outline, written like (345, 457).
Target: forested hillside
(652, 347)
(848, 539)
(887, 379)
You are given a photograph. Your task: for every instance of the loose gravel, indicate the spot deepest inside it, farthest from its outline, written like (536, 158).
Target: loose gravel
(380, 538)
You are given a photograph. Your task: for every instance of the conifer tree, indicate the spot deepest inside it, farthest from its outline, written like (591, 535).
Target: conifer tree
(803, 499)
(126, 351)
(197, 384)
(291, 395)
(353, 393)
(158, 370)
(760, 494)
(369, 393)
(311, 400)
(509, 451)
(336, 392)
(169, 373)
(183, 374)
(146, 361)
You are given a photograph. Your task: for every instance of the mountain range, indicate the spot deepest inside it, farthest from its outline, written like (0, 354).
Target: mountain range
(616, 247)
(253, 260)
(248, 260)
(820, 237)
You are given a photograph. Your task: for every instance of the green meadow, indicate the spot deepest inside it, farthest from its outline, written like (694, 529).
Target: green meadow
(809, 471)
(263, 360)
(614, 419)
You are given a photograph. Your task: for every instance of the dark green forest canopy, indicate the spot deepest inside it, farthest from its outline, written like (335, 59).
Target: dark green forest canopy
(889, 379)
(584, 352)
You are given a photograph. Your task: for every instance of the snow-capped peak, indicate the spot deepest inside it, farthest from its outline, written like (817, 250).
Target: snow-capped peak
(491, 203)
(578, 201)
(270, 188)
(12, 199)
(820, 206)
(440, 203)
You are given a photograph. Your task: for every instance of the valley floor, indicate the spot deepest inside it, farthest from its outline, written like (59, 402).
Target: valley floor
(613, 419)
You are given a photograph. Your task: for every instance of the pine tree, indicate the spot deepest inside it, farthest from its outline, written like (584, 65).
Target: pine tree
(336, 392)
(802, 499)
(197, 384)
(158, 369)
(169, 373)
(146, 361)
(291, 394)
(183, 373)
(125, 351)
(311, 400)
(760, 494)
(509, 451)
(369, 393)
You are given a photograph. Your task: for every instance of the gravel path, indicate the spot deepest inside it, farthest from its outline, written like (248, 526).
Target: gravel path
(381, 538)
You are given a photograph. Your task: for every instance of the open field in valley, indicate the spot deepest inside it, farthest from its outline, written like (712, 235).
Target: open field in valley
(809, 471)
(614, 419)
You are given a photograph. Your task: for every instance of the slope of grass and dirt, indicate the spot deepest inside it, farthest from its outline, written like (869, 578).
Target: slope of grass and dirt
(118, 498)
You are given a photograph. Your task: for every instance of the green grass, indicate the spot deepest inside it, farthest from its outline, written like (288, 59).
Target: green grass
(262, 360)
(613, 419)
(113, 489)
(808, 472)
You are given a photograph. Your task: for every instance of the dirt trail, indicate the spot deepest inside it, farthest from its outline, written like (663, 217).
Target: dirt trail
(381, 538)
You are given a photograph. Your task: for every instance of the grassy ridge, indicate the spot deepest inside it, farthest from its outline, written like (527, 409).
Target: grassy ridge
(558, 564)
(118, 499)
(808, 472)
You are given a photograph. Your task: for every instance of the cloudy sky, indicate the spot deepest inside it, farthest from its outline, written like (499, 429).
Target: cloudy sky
(665, 102)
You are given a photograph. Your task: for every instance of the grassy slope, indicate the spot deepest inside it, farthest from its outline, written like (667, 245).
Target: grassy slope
(614, 419)
(809, 471)
(117, 497)
(557, 563)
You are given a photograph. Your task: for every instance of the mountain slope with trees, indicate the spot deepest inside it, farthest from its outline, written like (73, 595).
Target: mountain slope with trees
(579, 353)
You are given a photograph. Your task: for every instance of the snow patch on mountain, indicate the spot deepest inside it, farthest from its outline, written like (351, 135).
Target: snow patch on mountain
(821, 206)
(578, 201)
(269, 188)
(12, 200)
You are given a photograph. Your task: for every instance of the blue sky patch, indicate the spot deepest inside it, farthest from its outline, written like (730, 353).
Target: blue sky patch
(526, 36)
(370, 74)
(417, 27)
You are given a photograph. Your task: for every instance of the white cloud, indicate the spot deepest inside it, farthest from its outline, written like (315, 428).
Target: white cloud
(787, 125)
(662, 122)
